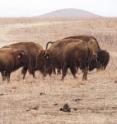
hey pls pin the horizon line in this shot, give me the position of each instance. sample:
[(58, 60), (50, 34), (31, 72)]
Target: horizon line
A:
[(50, 11)]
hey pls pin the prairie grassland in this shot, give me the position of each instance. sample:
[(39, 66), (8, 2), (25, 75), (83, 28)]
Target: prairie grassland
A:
[(38, 101)]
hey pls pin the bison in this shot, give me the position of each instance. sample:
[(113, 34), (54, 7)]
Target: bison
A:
[(76, 54), (56, 50), (31, 50), (10, 60)]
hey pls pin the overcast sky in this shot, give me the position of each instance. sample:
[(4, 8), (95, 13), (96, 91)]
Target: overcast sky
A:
[(37, 7)]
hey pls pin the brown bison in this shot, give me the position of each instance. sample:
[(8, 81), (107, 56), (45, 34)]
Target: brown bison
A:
[(10, 60), (31, 50), (56, 50), (76, 54)]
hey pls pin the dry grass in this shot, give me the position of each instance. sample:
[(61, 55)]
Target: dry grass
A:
[(37, 101)]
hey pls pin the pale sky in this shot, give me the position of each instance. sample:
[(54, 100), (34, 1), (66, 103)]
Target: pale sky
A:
[(37, 7)]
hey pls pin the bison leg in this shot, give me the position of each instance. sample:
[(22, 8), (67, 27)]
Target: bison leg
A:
[(8, 76), (3, 75), (24, 71), (49, 72), (32, 72), (64, 71), (54, 71), (58, 71), (85, 71), (73, 71)]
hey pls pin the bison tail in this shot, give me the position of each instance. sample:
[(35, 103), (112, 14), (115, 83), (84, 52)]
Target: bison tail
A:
[(50, 42)]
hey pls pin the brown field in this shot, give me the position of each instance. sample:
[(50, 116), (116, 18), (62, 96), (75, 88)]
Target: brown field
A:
[(38, 101)]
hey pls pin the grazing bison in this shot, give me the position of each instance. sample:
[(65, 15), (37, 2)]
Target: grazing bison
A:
[(31, 49), (10, 60), (54, 53), (76, 54)]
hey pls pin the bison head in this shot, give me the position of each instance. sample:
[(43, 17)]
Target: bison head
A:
[(46, 57), (43, 62), (103, 58), (94, 63)]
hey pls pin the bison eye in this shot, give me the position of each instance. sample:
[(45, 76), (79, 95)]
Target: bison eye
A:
[(47, 57)]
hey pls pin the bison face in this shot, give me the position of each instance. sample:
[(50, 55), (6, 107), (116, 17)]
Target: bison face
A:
[(103, 58), (48, 61), (42, 61), (94, 63), (45, 59)]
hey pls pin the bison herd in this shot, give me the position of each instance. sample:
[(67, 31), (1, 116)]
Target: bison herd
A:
[(74, 52)]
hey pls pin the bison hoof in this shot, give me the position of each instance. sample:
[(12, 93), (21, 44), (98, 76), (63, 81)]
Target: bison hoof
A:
[(62, 79)]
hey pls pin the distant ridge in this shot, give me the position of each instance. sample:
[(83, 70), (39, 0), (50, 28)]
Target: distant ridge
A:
[(70, 13)]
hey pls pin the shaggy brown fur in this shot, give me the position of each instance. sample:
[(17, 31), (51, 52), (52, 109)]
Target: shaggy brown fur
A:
[(103, 58), (10, 60), (76, 54), (56, 50), (31, 49)]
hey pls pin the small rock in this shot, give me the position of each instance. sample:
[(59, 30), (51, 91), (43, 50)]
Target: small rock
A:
[(42, 93), (75, 109), (35, 107), (1, 94), (115, 81), (55, 104), (27, 109), (65, 108), (77, 100)]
